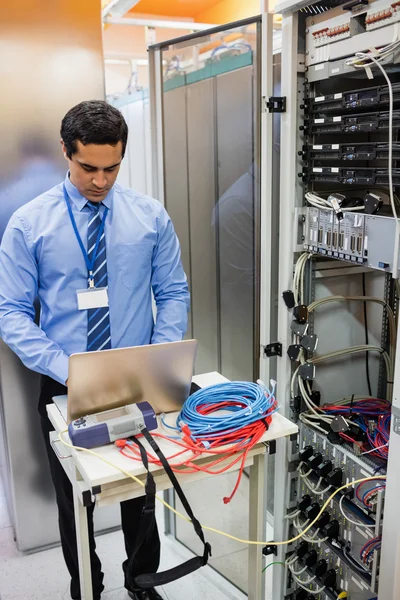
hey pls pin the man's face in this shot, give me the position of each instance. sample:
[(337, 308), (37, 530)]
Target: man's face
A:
[(94, 168)]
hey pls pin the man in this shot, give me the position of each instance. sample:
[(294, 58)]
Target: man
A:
[(85, 234)]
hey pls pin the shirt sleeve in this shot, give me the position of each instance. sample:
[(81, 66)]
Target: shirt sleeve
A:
[(169, 284), (18, 290)]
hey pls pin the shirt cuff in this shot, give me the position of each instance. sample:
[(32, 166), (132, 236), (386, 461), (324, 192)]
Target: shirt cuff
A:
[(58, 369)]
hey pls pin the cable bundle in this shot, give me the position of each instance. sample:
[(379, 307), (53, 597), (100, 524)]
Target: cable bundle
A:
[(245, 403), (320, 202), (358, 411), (367, 551), (225, 420), (368, 497), (364, 406)]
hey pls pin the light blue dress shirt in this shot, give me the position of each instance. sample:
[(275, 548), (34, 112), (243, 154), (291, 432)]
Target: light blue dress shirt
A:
[(40, 256)]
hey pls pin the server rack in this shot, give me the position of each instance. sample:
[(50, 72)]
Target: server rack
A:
[(339, 255)]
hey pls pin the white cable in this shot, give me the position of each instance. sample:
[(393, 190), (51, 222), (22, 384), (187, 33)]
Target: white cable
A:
[(300, 526), (373, 449), (293, 515), (304, 419), (300, 584), (383, 53), (309, 580), (291, 560), (356, 350), (318, 484), (322, 492), (315, 488), (354, 562), (298, 278), (310, 404), (389, 311), (320, 202), (304, 475), (351, 520), (297, 572), (313, 539), (317, 541)]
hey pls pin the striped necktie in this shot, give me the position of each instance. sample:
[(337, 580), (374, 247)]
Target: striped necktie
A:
[(99, 332)]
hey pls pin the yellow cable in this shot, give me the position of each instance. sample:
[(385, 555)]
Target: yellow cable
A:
[(227, 535), (342, 595)]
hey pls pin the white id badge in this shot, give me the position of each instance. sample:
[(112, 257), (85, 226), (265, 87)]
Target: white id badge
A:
[(92, 298)]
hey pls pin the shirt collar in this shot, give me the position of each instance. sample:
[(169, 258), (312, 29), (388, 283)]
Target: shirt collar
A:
[(79, 200)]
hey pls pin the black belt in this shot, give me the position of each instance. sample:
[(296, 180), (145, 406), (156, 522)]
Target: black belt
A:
[(148, 520)]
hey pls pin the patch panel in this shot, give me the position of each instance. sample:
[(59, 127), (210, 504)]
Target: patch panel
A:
[(382, 16), (353, 466), (338, 33), (357, 238), (341, 31), (346, 539), (347, 580), (348, 533), (347, 239)]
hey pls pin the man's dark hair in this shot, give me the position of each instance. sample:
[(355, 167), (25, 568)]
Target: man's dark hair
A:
[(93, 122)]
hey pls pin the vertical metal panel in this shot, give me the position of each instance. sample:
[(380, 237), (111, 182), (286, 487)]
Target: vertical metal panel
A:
[(234, 126), (147, 146), (176, 172), (389, 575), (237, 182), (289, 197), (137, 156), (124, 175), (157, 122), (135, 169), (201, 173), (51, 59)]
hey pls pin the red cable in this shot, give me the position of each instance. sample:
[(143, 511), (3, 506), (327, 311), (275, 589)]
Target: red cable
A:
[(239, 443), (371, 493)]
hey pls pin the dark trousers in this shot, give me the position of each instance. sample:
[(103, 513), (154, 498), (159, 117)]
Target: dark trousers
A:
[(131, 510)]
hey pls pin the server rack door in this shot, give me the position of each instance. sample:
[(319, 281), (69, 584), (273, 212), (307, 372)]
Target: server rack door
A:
[(202, 195), (235, 216), (176, 172)]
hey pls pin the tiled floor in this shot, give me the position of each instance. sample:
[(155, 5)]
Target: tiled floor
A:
[(43, 575)]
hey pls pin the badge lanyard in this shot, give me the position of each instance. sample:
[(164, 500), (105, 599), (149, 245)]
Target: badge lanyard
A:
[(89, 263)]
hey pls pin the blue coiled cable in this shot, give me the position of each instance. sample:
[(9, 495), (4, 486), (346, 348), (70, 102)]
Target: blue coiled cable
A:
[(258, 401)]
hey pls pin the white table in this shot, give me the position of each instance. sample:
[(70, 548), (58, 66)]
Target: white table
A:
[(94, 480)]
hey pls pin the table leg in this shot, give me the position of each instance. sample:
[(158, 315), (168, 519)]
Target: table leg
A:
[(257, 527), (82, 539)]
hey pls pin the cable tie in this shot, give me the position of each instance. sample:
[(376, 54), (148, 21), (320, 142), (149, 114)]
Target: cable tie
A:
[(351, 405), (266, 424)]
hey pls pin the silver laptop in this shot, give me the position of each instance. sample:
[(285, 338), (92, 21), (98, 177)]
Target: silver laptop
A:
[(160, 374)]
